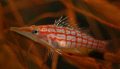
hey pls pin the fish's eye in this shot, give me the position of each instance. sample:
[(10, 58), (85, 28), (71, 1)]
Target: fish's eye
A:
[(35, 32)]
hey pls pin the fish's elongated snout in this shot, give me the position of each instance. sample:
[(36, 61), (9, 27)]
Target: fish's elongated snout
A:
[(13, 28), (22, 30), (26, 29)]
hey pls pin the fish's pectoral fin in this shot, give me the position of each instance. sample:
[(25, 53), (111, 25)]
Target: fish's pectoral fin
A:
[(55, 43)]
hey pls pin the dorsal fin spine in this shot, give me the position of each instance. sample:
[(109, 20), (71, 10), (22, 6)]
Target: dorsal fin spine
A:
[(63, 22)]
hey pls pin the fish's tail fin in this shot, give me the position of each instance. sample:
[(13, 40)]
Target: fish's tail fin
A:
[(113, 46)]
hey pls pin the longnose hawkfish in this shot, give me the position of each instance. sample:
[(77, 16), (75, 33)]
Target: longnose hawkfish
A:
[(61, 35)]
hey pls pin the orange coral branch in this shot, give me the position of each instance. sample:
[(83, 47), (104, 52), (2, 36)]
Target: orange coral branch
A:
[(2, 37), (16, 12), (91, 15), (57, 14), (55, 60), (31, 57)]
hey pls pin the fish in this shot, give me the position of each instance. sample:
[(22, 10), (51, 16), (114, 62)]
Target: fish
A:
[(61, 35), (58, 36)]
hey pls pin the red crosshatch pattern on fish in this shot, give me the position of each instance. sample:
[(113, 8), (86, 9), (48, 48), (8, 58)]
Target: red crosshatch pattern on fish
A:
[(70, 38)]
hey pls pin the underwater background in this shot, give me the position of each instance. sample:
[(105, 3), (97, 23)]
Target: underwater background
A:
[(101, 18)]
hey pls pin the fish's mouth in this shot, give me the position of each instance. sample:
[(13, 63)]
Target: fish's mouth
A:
[(14, 29), (24, 31), (17, 30)]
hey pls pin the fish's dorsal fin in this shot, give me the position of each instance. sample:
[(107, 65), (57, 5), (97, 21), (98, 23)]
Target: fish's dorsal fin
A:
[(63, 22)]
